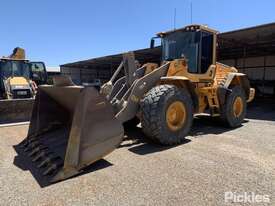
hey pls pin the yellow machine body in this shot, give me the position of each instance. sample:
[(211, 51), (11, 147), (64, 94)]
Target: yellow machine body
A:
[(206, 85), (18, 81)]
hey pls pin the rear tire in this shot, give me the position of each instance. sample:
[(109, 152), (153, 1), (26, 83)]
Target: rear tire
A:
[(166, 114), (234, 110)]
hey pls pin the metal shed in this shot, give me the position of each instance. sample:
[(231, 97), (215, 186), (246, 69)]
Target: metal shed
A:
[(251, 50), (103, 67)]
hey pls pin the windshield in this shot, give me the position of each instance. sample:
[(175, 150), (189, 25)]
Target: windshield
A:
[(15, 68), (182, 44)]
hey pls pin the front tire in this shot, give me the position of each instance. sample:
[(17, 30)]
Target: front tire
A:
[(166, 114), (234, 110)]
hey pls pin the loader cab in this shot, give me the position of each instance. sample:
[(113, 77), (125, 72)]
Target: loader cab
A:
[(195, 43)]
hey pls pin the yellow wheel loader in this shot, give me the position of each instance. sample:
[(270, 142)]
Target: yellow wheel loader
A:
[(18, 84), (73, 126)]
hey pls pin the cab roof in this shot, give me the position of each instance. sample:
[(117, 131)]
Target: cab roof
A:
[(11, 59), (193, 27)]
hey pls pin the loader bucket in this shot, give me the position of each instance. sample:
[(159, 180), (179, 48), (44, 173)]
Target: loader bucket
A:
[(71, 127)]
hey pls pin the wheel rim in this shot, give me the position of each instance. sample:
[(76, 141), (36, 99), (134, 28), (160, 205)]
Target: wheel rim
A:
[(175, 115), (238, 107)]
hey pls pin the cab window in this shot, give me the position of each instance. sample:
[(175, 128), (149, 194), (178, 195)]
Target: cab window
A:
[(39, 72), (6, 69)]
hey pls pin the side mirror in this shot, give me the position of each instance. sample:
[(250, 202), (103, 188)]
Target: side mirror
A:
[(152, 43)]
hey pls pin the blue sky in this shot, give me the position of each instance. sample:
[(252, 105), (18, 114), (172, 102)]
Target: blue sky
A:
[(62, 31)]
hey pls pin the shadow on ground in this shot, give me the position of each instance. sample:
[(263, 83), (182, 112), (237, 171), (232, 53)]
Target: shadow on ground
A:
[(262, 109), (141, 145), (138, 143)]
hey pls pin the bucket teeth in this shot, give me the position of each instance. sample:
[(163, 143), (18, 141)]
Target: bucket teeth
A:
[(48, 160), (31, 145), (36, 150), (27, 149), (33, 152), (53, 167), (26, 142), (40, 155), (45, 162), (35, 136), (29, 140), (34, 144)]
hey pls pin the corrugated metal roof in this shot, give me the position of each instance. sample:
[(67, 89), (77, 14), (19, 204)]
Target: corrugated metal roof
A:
[(251, 35), (256, 40), (253, 41), (143, 55)]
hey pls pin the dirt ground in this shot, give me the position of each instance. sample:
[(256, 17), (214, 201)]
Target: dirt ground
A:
[(212, 161)]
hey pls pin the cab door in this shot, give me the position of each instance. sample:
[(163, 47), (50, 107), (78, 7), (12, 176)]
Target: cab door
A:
[(39, 73), (206, 51)]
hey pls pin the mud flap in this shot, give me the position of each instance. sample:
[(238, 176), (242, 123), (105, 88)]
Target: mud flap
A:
[(71, 127), (15, 110)]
